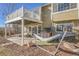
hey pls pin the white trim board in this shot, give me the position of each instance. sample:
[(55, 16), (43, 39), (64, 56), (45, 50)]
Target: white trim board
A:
[(20, 18), (34, 20), (64, 11), (13, 20)]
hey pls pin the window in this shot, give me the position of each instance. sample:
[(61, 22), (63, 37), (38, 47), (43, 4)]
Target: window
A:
[(63, 27), (63, 6), (59, 28), (66, 6), (73, 5), (68, 27), (60, 7), (55, 7), (34, 30)]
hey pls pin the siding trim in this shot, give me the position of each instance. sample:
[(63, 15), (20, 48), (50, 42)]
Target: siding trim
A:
[(78, 9), (64, 11)]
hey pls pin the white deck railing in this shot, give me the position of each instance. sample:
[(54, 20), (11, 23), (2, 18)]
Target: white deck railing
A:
[(23, 13), (30, 15), (15, 14)]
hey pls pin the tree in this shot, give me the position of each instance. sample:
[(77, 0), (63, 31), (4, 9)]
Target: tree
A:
[(9, 8)]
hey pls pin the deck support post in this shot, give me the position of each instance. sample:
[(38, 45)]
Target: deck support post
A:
[(22, 32), (31, 30), (9, 30), (5, 31), (41, 30), (37, 29)]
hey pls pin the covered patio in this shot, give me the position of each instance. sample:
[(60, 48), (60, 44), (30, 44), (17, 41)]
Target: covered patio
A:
[(20, 38)]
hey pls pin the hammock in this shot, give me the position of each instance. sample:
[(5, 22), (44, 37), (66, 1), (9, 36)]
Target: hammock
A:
[(48, 39)]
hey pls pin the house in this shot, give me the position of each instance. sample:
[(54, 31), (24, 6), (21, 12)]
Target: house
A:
[(61, 16), (76, 30)]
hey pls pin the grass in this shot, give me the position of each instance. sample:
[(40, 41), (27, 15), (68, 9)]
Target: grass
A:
[(5, 51), (38, 42), (1, 33)]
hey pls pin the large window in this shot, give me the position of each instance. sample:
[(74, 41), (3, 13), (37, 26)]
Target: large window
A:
[(63, 27), (73, 5), (63, 6)]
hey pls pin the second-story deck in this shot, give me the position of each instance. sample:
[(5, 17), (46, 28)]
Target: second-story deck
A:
[(22, 13), (21, 17)]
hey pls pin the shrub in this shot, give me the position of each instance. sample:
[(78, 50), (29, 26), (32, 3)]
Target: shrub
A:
[(1, 33)]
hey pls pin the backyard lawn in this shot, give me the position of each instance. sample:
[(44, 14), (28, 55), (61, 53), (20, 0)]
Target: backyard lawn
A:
[(16, 50), (6, 52)]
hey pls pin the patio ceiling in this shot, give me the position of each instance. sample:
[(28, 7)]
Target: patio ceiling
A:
[(26, 21)]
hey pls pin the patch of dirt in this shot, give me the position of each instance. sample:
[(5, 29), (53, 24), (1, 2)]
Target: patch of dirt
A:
[(3, 40), (35, 51), (16, 50), (30, 51)]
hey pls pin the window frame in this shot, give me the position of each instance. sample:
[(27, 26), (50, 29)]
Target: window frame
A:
[(64, 26), (58, 7)]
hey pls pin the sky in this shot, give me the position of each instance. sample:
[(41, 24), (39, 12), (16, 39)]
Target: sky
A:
[(4, 7)]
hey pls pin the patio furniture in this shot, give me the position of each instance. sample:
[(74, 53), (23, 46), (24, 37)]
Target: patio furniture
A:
[(47, 39), (51, 38)]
